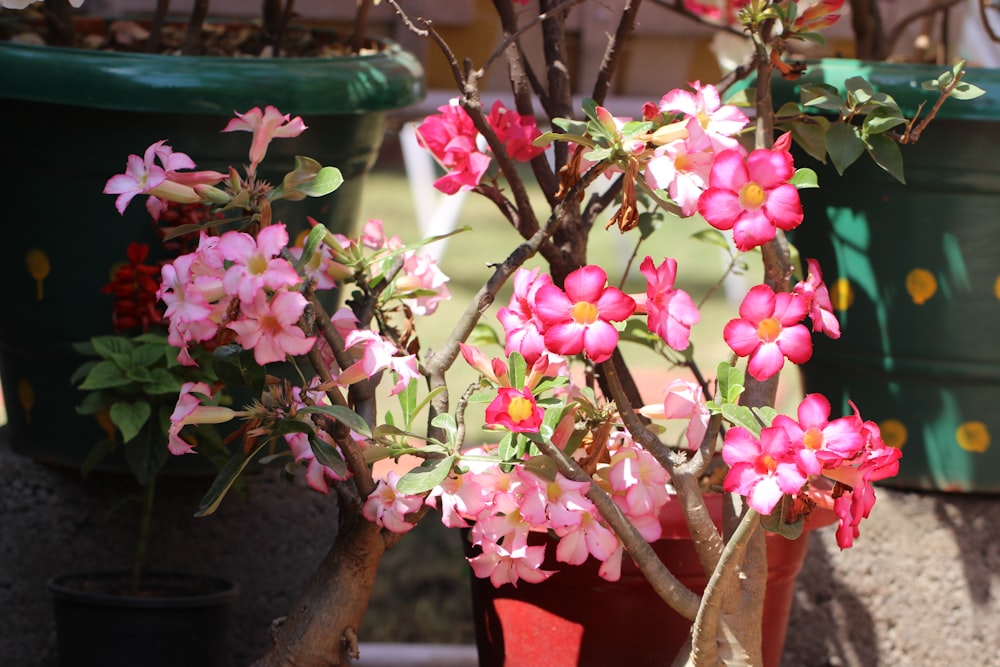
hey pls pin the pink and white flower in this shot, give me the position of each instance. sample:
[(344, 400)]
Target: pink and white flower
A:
[(768, 330)]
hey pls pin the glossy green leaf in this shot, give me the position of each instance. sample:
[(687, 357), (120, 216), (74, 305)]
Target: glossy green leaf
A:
[(129, 417), (887, 155), (843, 145), (344, 415), (328, 455), (104, 375), (426, 476), (804, 178), (225, 479), (740, 415)]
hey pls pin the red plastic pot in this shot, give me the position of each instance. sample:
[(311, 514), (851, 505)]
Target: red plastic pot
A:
[(576, 619)]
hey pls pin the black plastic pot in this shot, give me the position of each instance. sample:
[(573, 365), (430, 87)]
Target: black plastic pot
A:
[(178, 620), (74, 116)]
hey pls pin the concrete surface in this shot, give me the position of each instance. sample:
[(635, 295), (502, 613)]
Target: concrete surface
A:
[(919, 588)]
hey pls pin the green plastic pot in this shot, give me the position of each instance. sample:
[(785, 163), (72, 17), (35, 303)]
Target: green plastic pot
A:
[(915, 274), (73, 117)]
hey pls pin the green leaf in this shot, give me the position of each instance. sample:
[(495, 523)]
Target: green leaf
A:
[(129, 417), (236, 367), (328, 455), (844, 145), (161, 381), (423, 403), (107, 346), (101, 450), (426, 476), (730, 379), (345, 416), (740, 415), (859, 89), (93, 402), (483, 334), (804, 178), (104, 375), (881, 120), (966, 91), (312, 244), (227, 476), (712, 237), (810, 135), (149, 355), (446, 423), (517, 369), (327, 180), (408, 401), (820, 95), (571, 126), (775, 521), (765, 414), (887, 155), (147, 453)]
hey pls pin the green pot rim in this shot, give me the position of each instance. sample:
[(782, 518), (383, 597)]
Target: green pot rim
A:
[(392, 78), (902, 81)]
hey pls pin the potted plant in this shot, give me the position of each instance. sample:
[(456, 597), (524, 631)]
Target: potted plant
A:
[(94, 105), (574, 453), (905, 249)]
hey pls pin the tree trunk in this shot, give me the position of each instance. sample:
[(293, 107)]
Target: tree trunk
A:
[(321, 630)]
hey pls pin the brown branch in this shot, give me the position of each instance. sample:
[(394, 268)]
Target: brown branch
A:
[(914, 129), (869, 30), (156, 26), (360, 34), (612, 54), (983, 6), (192, 38), (663, 581), (706, 538)]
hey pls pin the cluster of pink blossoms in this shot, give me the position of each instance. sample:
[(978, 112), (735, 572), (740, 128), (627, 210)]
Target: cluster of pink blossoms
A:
[(790, 454), (452, 138)]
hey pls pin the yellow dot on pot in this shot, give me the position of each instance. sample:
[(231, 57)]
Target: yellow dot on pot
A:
[(841, 294), (893, 432), (973, 436), (996, 287), (26, 398), (39, 268), (921, 284)]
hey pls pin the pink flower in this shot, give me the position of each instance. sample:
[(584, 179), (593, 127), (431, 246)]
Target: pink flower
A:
[(318, 476), (752, 196), (255, 264), (387, 508), (818, 297), (461, 498), (814, 434), (515, 410), (507, 565), (854, 493), (588, 538), (683, 400), (762, 470), (670, 312), (265, 125), (522, 327), (451, 137), (639, 485), (271, 328), (682, 167), (720, 122), (578, 320), (421, 275), (189, 410), (516, 131), (769, 330), (375, 354)]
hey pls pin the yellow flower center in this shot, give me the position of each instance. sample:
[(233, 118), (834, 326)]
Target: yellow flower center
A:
[(769, 329), (257, 265), (519, 409), (767, 463), (752, 196), (584, 312), (813, 438)]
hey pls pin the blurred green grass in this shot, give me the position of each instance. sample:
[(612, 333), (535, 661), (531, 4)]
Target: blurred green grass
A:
[(425, 576)]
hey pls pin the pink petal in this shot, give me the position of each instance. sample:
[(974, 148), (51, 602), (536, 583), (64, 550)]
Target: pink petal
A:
[(741, 336), (766, 361), (720, 207), (784, 207), (586, 284)]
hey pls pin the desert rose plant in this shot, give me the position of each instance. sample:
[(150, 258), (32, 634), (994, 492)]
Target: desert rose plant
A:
[(576, 453)]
